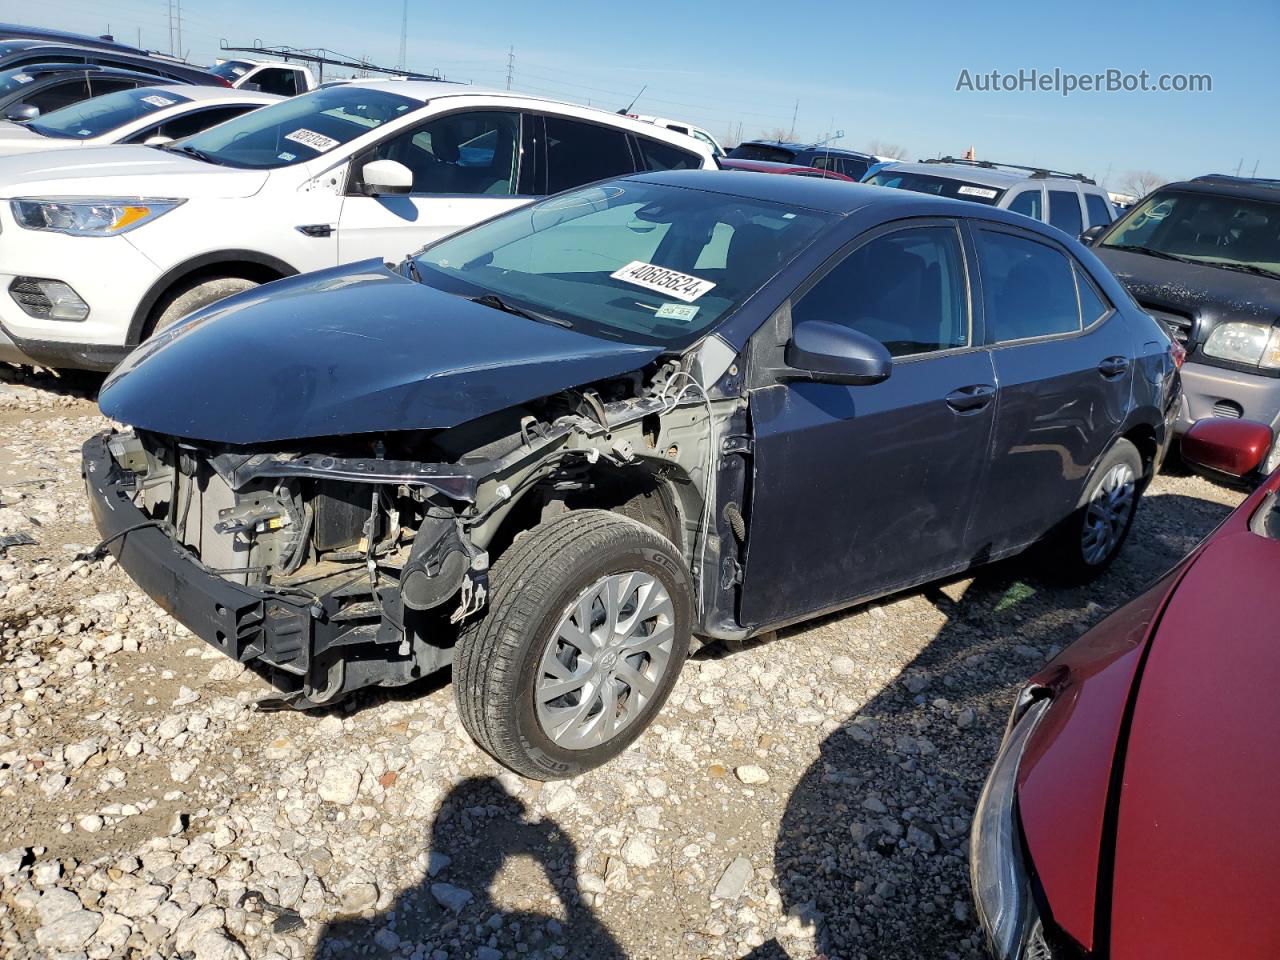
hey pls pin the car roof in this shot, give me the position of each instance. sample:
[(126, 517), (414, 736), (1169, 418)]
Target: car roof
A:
[(991, 176), (212, 94), (1252, 188), (15, 31), (44, 69), (797, 147)]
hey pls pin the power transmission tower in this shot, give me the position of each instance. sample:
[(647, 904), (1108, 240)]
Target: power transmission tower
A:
[(171, 46), (511, 65), (404, 35), (178, 28)]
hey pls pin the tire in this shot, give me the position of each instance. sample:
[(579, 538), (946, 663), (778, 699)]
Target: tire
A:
[(191, 298), (507, 663), (1090, 539)]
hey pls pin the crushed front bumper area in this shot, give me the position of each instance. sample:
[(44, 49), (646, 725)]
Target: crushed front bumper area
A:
[(315, 644)]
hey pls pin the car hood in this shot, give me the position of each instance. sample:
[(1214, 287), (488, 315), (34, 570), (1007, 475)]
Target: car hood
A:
[(122, 171), (1196, 837), (1205, 295), (354, 349), (19, 138)]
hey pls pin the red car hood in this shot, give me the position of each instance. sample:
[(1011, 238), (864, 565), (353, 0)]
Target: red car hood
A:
[(1197, 839)]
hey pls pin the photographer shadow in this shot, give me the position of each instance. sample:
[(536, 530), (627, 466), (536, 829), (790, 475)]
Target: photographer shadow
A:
[(483, 838)]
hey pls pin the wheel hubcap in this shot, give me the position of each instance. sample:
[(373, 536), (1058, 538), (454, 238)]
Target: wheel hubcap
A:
[(605, 660), (1108, 513)]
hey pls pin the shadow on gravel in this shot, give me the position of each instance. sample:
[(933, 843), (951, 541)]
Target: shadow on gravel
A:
[(872, 846), (480, 832), (82, 384)]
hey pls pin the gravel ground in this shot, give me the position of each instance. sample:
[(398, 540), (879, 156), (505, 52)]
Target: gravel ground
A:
[(808, 796)]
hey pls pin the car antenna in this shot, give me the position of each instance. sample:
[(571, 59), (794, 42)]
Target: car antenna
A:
[(627, 109)]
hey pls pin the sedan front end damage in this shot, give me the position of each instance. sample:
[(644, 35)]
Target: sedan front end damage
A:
[(351, 562)]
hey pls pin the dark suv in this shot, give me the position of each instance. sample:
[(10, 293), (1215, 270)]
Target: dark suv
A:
[(554, 447), (849, 163), (1204, 257)]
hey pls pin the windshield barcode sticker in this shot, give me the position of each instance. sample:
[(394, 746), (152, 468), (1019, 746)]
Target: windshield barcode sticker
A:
[(676, 311), (309, 138), (24, 78), (661, 280), (159, 101), (977, 192)]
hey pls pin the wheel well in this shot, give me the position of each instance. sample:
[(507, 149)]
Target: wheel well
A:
[(634, 492), (1143, 437), (246, 265)]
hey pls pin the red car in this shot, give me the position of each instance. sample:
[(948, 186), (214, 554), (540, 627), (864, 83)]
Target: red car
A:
[(768, 166), (1132, 809)]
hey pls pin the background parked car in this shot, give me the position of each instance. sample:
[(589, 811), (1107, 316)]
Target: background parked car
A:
[(1136, 779), (1069, 201), (14, 31), (148, 115), (268, 76), (29, 53), (372, 168), (893, 433), (1204, 257), (763, 166), (850, 163), (679, 126), (28, 92)]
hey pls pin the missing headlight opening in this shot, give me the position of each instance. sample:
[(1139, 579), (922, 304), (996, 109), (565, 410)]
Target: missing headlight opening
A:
[(350, 562)]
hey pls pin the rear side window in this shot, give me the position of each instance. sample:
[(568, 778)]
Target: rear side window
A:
[(906, 289), (1029, 288), (579, 153), (1064, 212), (663, 156), (1093, 305), (1028, 204), (1097, 207), (851, 167)]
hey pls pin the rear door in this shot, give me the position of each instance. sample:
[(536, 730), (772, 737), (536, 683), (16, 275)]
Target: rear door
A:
[(466, 168), (860, 489), (1027, 200), (1063, 361)]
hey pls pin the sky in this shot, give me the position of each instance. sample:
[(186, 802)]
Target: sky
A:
[(882, 72)]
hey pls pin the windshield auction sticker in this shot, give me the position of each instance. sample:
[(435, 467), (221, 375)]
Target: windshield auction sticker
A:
[(309, 138), (159, 101), (968, 191), (661, 280)]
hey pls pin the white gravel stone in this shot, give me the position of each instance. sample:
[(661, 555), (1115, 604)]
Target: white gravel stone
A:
[(450, 897), (733, 882), (751, 774), (71, 931)]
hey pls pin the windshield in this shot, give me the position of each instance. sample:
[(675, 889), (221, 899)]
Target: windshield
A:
[(1204, 227), (231, 70), (92, 118), (299, 129), (631, 261), (938, 186), (15, 79), (761, 151)]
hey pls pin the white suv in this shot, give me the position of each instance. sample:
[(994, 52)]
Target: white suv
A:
[(101, 247), (1069, 201)]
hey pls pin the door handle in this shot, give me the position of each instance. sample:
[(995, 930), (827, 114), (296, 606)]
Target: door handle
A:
[(1113, 366), (971, 398)]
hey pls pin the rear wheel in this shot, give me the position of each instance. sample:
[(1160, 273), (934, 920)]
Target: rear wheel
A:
[(1094, 534), (587, 629), (190, 298)]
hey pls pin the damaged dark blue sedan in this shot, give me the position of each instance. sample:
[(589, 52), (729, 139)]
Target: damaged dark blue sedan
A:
[(555, 448)]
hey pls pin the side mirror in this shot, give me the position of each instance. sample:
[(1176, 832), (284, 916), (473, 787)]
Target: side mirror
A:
[(22, 112), (386, 176), (831, 353), (157, 141), (1231, 447), (1093, 233)]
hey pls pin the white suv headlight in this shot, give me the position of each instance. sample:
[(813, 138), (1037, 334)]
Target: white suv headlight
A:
[(87, 217), (1249, 343), (1001, 890)]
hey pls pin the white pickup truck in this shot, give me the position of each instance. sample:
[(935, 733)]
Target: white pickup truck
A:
[(267, 76)]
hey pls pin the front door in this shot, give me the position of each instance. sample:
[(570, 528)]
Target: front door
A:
[(1063, 361), (858, 490), (466, 168)]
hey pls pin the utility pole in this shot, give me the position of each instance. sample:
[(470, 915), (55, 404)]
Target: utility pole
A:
[(139, 38), (171, 46), (1239, 165), (794, 114), (404, 36), (1255, 168), (511, 64)]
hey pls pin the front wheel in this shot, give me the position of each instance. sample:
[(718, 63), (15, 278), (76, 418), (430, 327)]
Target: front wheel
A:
[(1092, 537), (587, 629)]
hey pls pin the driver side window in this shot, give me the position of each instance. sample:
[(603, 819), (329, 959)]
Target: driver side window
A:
[(906, 289), (470, 154)]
